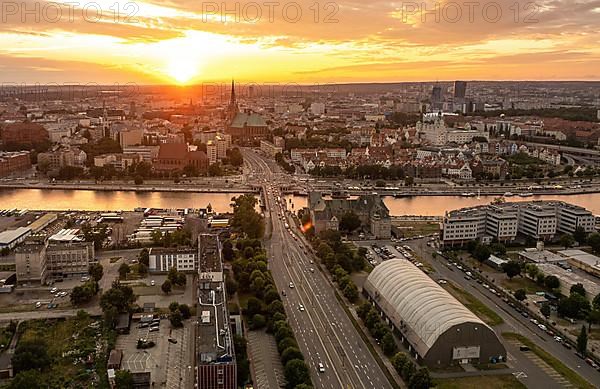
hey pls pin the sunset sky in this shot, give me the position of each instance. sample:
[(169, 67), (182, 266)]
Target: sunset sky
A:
[(179, 42)]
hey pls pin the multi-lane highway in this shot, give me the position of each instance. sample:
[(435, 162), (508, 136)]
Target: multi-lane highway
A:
[(324, 332)]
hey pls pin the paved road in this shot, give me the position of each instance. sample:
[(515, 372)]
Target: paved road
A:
[(43, 313), (323, 330), (513, 322)]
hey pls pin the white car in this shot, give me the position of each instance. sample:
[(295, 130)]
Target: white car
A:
[(442, 282), (152, 283), (301, 308), (321, 368), (291, 285), (53, 290)]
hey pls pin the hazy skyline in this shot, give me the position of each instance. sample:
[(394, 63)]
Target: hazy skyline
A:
[(380, 41)]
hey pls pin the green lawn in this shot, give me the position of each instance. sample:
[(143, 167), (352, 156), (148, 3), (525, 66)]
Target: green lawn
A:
[(482, 382), (477, 307), (556, 364), (411, 229)]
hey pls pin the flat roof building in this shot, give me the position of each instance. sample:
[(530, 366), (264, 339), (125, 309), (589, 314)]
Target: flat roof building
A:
[(214, 344), (536, 219), (582, 260), (437, 328)]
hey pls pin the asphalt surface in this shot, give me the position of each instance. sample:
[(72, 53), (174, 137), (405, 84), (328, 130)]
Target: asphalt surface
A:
[(513, 322), (324, 332)]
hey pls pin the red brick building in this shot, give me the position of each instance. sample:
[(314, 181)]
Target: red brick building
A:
[(23, 134), (173, 157), (14, 162)]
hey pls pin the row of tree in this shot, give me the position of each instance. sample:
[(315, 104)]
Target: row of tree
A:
[(265, 308)]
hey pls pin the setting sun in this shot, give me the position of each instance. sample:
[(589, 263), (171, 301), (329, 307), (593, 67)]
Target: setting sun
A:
[(182, 70)]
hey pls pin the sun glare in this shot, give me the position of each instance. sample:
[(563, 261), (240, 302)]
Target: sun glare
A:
[(183, 70)]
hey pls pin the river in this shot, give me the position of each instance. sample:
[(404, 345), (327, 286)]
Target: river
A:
[(88, 200)]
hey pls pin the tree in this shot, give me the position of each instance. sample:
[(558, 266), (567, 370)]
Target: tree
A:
[(186, 313), (594, 241), (408, 370), (351, 292), (399, 360), (27, 379), (512, 268), (420, 379), (552, 282), (580, 235), (296, 373), (582, 340), (82, 294), (258, 321), (254, 306), (596, 301), (176, 319), (123, 379), (138, 180), (520, 294), (31, 354), (567, 241), (228, 253), (291, 353), (578, 288), (349, 222), (593, 317), (388, 344), (482, 252), (545, 310), (96, 271), (173, 306), (123, 271), (574, 306), (144, 257), (166, 287)]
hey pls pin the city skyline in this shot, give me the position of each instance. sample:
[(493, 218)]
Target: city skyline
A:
[(188, 43)]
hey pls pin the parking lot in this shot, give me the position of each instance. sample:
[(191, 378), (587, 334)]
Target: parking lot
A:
[(170, 362)]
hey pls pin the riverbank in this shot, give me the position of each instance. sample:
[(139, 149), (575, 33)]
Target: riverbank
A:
[(166, 186)]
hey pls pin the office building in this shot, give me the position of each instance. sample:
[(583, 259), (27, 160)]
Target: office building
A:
[(161, 260), (460, 90), (541, 220), (216, 365)]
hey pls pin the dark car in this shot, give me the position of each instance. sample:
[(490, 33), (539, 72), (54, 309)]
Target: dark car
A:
[(567, 345), (171, 340), (524, 348)]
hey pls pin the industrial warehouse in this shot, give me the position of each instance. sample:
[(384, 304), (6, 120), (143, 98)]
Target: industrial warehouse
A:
[(437, 329)]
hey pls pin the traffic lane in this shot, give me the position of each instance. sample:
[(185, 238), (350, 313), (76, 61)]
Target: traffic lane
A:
[(517, 321), (318, 304), (356, 350), (313, 346), (294, 300), (321, 301)]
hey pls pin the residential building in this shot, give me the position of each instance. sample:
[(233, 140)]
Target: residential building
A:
[(118, 161), (317, 109), (270, 149), (23, 134), (131, 137), (14, 162), (61, 157), (184, 259), (148, 153)]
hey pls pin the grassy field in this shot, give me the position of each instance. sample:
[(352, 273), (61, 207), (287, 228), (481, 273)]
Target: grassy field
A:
[(557, 365), (77, 348), (411, 229), (488, 382), (522, 283), (477, 307)]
